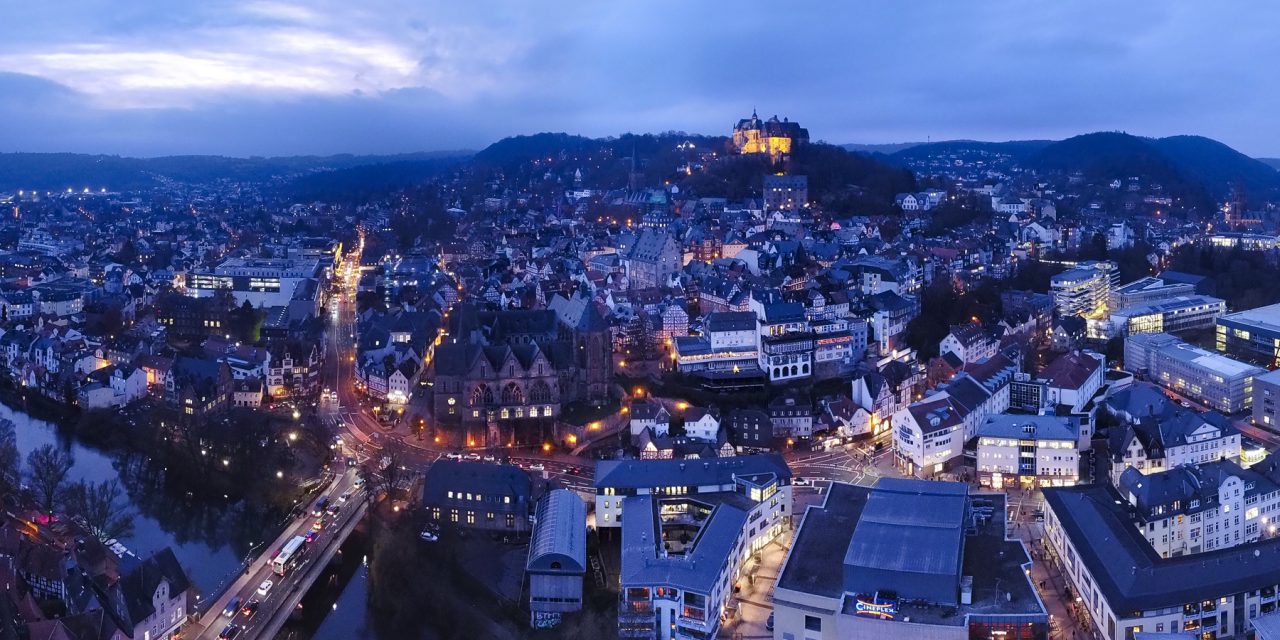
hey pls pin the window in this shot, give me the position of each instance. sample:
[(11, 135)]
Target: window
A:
[(812, 623)]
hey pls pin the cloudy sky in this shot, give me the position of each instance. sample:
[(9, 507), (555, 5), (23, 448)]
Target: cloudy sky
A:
[(275, 77)]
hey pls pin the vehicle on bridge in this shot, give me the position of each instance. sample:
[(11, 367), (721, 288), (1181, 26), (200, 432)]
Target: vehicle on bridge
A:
[(288, 556), (321, 504)]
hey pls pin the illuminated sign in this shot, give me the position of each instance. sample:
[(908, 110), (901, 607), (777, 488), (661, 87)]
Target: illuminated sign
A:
[(876, 607)]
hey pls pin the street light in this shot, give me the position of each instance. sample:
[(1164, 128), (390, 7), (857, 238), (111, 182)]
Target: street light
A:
[(296, 414)]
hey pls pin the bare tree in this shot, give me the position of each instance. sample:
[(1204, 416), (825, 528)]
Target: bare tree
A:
[(10, 457), (100, 508), (47, 469), (385, 471)]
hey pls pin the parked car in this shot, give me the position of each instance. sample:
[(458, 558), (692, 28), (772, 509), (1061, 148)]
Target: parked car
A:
[(428, 535), (474, 457), (537, 466)]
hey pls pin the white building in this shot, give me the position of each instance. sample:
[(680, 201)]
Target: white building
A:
[(1027, 451), (929, 435), (1085, 289), (1204, 376)]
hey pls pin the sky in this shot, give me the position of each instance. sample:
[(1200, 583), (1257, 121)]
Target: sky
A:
[(278, 77)]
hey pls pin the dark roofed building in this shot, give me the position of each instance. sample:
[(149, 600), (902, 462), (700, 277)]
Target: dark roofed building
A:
[(919, 560), (478, 495), (557, 554)]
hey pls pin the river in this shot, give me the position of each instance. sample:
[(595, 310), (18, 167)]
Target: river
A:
[(209, 537)]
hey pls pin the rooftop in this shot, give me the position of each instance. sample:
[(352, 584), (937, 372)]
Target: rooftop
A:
[(1267, 317), (1132, 576)]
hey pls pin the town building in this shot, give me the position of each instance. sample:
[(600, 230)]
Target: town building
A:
[(1167, 316), (1171, 438), (1201, 507), (728, 350), (557, 557), (929, 435), (1253, 335), (1266, 399), (969, 342), (1085, 289), (785, 192), (1125, 587), (1027, 452), (260, 282), (1148, 290), (688, 531), (910, 560), (478, 495), (1204, 376)]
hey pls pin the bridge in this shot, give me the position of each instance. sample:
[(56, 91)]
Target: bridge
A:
[(286, 591)]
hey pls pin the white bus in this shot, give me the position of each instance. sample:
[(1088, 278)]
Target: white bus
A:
[(288, 555)]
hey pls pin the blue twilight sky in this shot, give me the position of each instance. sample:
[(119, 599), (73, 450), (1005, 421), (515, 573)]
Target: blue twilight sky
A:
[(273, 77)]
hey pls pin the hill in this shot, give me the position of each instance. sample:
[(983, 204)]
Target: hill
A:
[(58, 171), (1274, 163), (1017, 149), (1192, 167)]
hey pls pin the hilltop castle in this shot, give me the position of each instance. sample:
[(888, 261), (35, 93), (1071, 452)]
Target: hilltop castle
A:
[(774, 137)]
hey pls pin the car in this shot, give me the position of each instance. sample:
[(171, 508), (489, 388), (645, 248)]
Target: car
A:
[(230, 631), (311, 536), (358, 483), (488, 457), (428, 535), (346, 495), (768, 624), (333, 509), (474, 457), (250, 608), (318, 524), (265, 587), (537, 466), (232, 607), (576, 471), (800, 481), (453, 455)]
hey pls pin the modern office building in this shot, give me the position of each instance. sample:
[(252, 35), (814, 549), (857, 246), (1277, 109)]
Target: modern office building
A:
[(260, 282), (1168, 316), (689, 528), (1027, 451), (1204, 376), (1253, 335), (1148, 290), (1085, 289), (1124, 587), (907, 559), (557, 557), (1266, 399)]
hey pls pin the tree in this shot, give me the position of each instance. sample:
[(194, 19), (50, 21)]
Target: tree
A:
[(99, 507), (385, 472), (47, 469), (10, 457)]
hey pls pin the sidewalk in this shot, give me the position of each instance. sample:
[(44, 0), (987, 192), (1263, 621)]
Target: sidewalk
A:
[(1052, 587)]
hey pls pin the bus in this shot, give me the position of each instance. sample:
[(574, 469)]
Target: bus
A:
[(288, 555)]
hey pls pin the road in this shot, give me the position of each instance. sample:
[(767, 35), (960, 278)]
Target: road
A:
[(245, 587)]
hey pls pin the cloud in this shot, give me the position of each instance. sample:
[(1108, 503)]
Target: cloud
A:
[(324, 76)]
